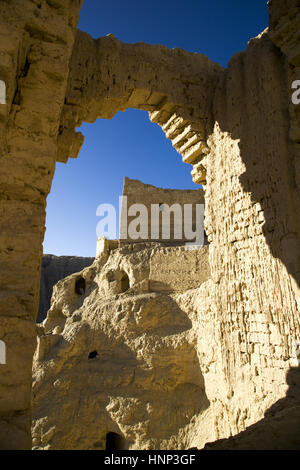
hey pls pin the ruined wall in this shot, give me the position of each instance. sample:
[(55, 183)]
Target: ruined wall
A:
[(36, 42), (247, 161), (240, 131), (55, 268), (253, 228), (123, 354), (253, 223), (178, 270), (137, 192), (36, 39)]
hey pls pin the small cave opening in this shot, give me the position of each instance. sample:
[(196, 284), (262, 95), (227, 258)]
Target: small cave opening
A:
[(93, 354), (80, 286), (114, 441), (125, 284)]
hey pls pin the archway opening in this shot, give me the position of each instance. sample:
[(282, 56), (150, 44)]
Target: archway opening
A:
[(97, 177), (141, 152)]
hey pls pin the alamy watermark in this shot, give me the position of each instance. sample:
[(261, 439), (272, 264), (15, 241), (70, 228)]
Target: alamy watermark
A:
[(2, 92), (2, 352), (155, 224), (296, 94)]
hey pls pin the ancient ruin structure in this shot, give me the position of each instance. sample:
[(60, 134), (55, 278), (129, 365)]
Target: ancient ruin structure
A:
[(240, 130), (55, 268), (117, 353), (166, 219)]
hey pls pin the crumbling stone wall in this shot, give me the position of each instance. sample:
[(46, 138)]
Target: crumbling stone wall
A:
[(247, 161), (55, 268), (124, 355), (253, 228), (240, 131), (137, 192), (36, 39)]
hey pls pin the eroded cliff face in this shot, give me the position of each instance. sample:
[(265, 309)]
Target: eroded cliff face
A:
[(117, 353), (238, 128), (252, 224), (55, 268)]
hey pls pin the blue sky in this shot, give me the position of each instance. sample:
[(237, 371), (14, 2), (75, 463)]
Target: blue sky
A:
[(129, 144)]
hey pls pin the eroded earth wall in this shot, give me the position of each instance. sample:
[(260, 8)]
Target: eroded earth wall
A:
[(245, 152), (239, 130), (55, 268), (36, 39), (172, 221), (121, 356), (252, 222)]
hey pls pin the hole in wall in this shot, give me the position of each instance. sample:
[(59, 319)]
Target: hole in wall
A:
[(125, 284), (93, 354), (80, 286), (114, 441)]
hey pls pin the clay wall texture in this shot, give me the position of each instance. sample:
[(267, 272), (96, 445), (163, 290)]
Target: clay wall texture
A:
[(238, 128), (137, 192), (124, 354), (36, 40)]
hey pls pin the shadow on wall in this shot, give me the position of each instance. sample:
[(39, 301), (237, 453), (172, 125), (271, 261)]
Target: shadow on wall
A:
[(252, 105), (115, 441), (251, 109), (278, 430)]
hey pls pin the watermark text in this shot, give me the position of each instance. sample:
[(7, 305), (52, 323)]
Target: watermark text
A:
[(2, 352), (2, 92), (296, 94), (158, 222)]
